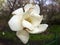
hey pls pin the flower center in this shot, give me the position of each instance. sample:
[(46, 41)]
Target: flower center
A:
[(29, 19)]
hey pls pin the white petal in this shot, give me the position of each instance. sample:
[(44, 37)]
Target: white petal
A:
[(27, 7), (36, 10), (27, 24), (36, 19), (31, 1), (18, 11), (23, 36), (15, 22), (41, 28)]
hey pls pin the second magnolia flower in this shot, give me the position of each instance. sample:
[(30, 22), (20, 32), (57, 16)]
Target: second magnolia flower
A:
[(27, 22)]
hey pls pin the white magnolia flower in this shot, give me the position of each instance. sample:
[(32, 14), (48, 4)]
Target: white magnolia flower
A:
[(27, 22)]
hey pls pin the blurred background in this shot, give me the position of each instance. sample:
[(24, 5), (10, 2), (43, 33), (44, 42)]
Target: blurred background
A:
[(49, 8)]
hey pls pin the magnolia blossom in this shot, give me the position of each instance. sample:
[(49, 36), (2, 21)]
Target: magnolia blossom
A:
[(27, 21)]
